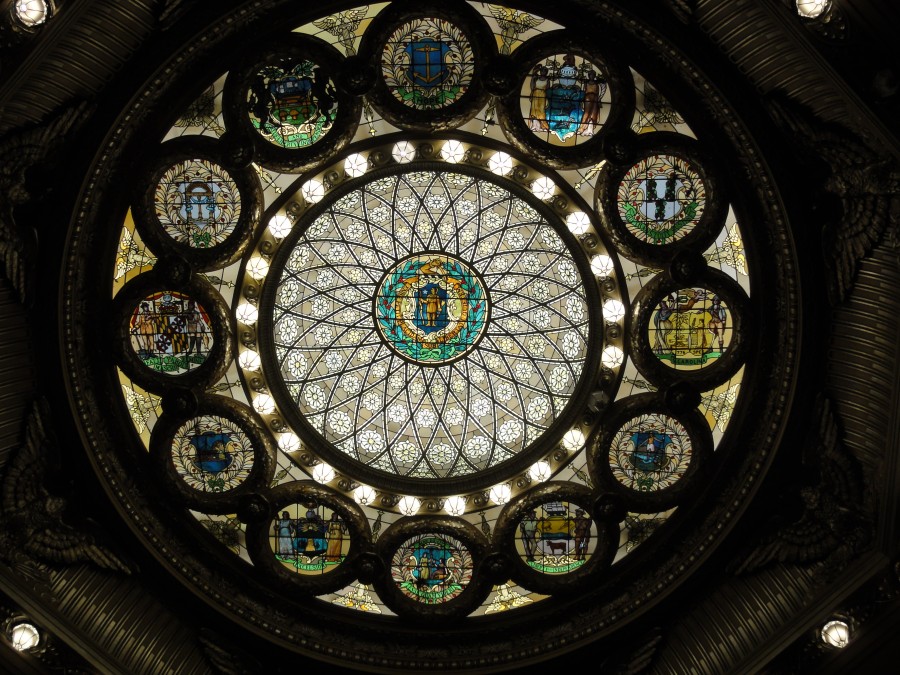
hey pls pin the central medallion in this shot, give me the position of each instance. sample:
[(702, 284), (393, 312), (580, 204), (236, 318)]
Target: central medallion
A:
[(431, 308), (428, 325)]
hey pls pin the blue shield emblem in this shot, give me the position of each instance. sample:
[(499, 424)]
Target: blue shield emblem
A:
[(211, 453), (649, 453), (431, 308), (565, 108), (199, 202), (427, 67)]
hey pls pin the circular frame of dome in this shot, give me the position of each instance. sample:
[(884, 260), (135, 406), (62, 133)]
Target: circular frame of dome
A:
[(621, 107), (169, 327), (430, 609), (474, 34), (310, 495), (202, 185), (209, 460), (306, 147), (640, 409), (725, 316), (676, 155), (263, 329), (508, 528)]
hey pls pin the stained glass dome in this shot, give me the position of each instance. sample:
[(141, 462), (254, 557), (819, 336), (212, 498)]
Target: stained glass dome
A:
[(423, 318)]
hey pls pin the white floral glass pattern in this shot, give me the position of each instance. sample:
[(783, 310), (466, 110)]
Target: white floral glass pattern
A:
[(459, 411)]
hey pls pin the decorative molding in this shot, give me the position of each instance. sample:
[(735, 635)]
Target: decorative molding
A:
[(23, 151), (33, 532), (864, 181), (833, 527)]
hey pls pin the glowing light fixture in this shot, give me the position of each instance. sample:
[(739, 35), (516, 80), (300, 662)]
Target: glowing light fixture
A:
[(613, 310), (578, 222), (836, 633), (257, 268), (453, 151), (404, 152), (812, 9), (540, 471), (264, 404), (313, 191), (24, 636), (247, 313), (612, 357), (289, 442), (408, 505), (280, 226), (323, 473), (500, 163), (364, 495), (455, 506), (543, 188), (500, 494), (32, 13), (356, 165), (573, 440), (602, 266), (249, 360)]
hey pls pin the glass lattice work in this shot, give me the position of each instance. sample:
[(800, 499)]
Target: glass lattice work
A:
[(430, 324)]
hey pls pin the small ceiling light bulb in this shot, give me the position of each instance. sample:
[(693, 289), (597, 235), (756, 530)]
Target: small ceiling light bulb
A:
[(323, 473), (453, 152), (500, 494), (408, 505), (612, 357), (812, 9), (404, 152), (578, 222), (356, 165), (364, 495), (540, 471), (312, 191), (264, 404), (280, 225), (289, 443), (24, 636), (573, 440), (32, 13), (249, 360), (247, 313), (613, 310), (500, 163), (602, 266), (257, 268), (836, 633), (543, 188), (455, 506)]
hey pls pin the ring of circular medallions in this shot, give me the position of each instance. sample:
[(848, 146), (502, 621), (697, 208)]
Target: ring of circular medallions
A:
[(669, 198), (287, 104), (191, 205), (170, 336), (690, 332), (212, 457), (315, 447), (584, 96), (439, 84), (552, 538), (436, 567), (648, 454), (311, 539)]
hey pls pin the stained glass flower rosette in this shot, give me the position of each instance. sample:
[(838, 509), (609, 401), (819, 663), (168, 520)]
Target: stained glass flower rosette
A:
[(429, 326)]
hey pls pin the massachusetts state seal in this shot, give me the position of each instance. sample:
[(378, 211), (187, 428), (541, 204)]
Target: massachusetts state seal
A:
[(431, 308)]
